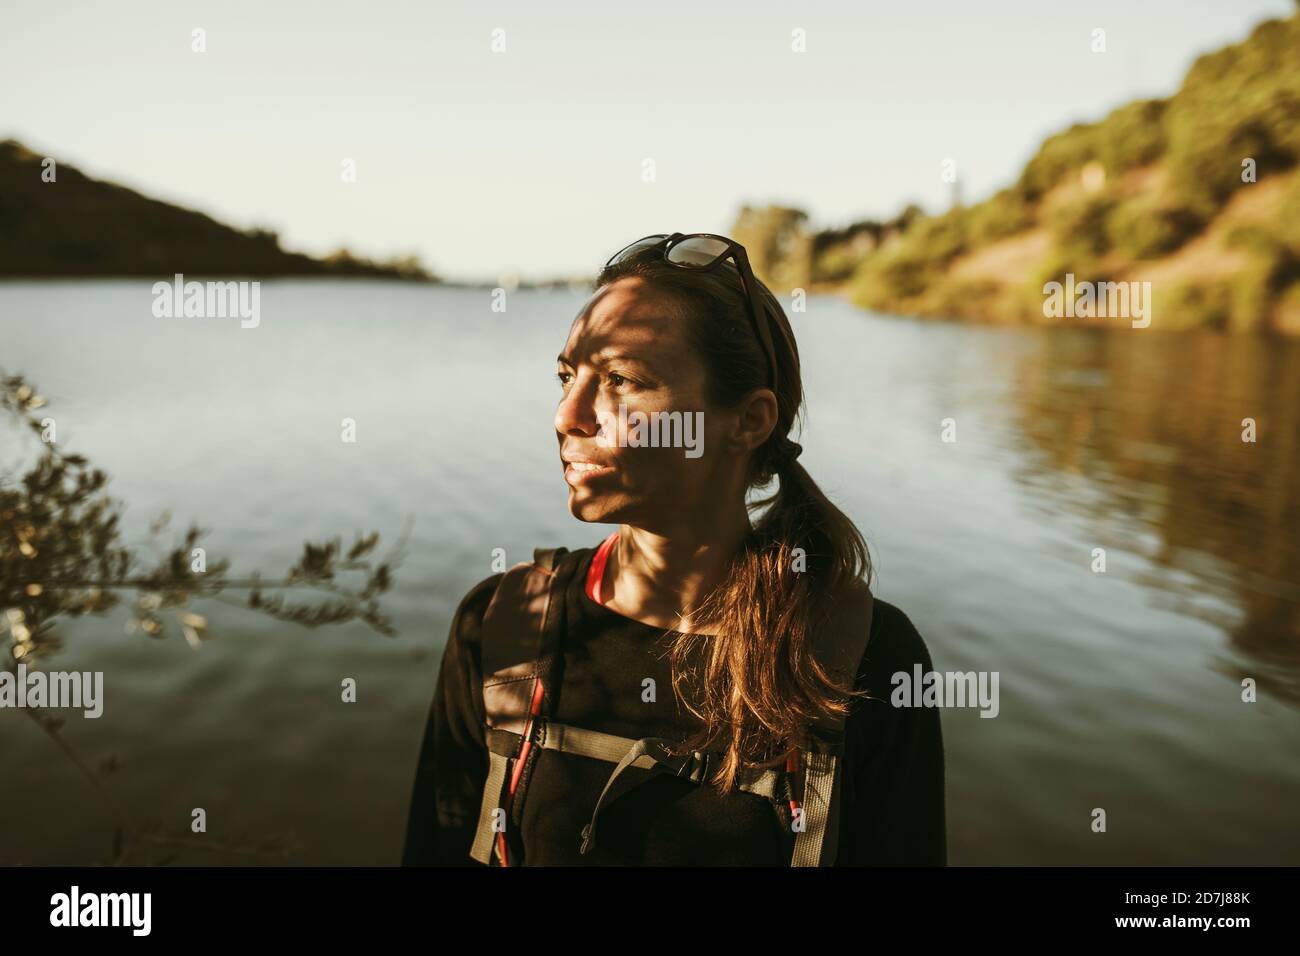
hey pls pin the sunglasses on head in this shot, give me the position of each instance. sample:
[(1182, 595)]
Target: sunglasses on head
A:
[(698, 251)]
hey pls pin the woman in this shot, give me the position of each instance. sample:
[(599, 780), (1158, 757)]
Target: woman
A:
[(699, 632)]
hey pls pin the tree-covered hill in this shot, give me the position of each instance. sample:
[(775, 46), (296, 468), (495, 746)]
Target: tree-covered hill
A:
[(65, 224), (1198, 194)]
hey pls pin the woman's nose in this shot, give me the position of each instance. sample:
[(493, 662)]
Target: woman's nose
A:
[(576, 414)]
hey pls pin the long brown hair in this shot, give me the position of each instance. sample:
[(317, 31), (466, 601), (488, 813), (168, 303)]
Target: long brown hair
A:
[(760, 684)]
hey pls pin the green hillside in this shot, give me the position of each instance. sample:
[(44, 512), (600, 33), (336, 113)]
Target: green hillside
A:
[(1158, 191)]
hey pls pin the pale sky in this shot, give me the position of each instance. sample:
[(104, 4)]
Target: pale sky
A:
[(529, 161)]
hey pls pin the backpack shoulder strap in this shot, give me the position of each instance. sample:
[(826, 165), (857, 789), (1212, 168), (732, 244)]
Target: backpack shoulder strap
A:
[(517, 654), (545, 558), (839, 645)]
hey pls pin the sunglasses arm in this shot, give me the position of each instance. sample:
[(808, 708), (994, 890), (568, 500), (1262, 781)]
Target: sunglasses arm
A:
[(756, 310)]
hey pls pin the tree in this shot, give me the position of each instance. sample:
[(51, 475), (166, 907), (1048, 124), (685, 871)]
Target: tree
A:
[(62, 556)]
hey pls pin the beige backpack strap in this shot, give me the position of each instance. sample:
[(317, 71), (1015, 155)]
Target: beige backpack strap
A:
[(516, 656)]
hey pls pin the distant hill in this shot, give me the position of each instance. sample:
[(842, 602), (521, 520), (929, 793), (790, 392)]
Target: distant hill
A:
[(1198, 194), (78, 226)]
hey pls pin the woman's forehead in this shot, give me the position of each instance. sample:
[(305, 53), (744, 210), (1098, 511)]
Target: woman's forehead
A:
[(627, 316)]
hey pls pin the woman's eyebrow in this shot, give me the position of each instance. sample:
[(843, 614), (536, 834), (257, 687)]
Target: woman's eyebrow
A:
[(606, 358)]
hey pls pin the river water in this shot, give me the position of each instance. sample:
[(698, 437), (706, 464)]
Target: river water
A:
[(1119, 690)]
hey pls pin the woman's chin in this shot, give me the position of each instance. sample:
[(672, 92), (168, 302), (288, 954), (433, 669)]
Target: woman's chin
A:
[(586, 506)]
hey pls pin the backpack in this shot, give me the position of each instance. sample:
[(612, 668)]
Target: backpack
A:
[(520, 646)]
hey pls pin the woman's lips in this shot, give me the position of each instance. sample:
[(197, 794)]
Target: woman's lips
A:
[(580, 472)]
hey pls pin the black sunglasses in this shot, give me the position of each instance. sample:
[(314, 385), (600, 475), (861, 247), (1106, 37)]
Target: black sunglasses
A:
[(704, 250)]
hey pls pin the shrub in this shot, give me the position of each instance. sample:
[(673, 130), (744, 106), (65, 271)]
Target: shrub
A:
[(1152, 227)]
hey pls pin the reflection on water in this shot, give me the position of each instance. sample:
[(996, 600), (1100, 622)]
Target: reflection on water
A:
[(1118, 690), (1155, 426)]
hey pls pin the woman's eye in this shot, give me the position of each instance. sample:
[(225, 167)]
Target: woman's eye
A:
[(614, 379)]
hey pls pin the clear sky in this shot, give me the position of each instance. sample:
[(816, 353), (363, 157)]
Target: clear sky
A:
[(530, 161)]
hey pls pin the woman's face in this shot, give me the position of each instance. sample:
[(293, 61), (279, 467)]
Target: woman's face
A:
[(639, 442)]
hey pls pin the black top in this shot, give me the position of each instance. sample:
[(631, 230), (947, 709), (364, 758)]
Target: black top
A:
[(893, 810)]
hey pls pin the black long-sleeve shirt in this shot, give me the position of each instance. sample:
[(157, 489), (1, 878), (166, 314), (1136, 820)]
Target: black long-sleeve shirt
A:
[(893, 810)]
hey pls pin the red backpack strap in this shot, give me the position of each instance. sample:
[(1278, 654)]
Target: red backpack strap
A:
[(839, 645), (519, 637)]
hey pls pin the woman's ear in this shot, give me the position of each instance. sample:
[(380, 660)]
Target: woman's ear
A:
[(755, 420)]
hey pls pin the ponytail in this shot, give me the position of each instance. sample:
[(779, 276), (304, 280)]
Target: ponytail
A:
[(761, 684)]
